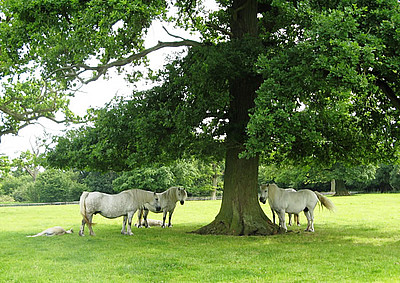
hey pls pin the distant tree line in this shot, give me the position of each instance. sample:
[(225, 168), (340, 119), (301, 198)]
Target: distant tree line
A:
[(47, 184), (28, 178), (365, 178)]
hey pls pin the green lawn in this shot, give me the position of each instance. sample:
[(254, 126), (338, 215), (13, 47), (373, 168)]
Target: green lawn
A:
[(359, 243)]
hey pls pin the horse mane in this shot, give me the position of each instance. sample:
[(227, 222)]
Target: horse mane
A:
[(170, 194)]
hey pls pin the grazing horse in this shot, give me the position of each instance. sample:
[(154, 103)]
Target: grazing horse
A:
[(282, 201), (53, 231), (125, 204), (168, 201)]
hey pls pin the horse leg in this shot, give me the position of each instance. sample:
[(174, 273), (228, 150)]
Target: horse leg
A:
[(290, 219), (169, 219), (124, 224), (308, 216), (273, 215), (281, 215), (146, 224), (296, 219), (130, 216), (140, 214), (90, 217), (81, 231), (163, 218), (311, 212)]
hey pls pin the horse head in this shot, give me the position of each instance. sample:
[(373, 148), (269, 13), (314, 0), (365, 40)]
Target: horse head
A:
[(181, 195), (263, 193), (156, 202)]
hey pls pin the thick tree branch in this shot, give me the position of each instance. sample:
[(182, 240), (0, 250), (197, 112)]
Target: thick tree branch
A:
[(388, 91), (78, 69)]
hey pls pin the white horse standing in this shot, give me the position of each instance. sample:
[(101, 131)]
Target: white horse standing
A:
[(282, 201), (296, 216), (125, 204), (168, 200)]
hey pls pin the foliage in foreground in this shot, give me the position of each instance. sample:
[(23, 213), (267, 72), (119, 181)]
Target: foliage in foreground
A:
[(358, 243)]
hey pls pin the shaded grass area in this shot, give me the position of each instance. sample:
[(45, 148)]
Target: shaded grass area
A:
[(358, 243)]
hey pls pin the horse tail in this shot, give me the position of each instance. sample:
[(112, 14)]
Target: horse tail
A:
[(82, 205), (325, 201)]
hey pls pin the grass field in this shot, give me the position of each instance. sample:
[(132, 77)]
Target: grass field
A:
[(358, 243)]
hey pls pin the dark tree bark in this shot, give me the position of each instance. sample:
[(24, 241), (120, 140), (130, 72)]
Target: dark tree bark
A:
[(340, 188), (240, 212)]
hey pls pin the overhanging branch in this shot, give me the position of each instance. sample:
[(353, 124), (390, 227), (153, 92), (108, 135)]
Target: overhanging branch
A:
[(78, 69)]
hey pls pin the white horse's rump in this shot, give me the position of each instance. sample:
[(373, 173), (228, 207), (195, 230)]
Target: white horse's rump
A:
[(168, 201), (53, 231), (282, 201), (111, 206)]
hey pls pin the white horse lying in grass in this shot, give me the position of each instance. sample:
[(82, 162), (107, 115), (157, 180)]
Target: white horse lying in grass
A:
[(125, 204), (168, 201), (150, 223), (282, 201), (53, 232)]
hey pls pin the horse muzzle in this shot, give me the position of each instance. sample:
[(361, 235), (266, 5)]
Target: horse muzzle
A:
[(263, 200), (158, 208), (182, 202)]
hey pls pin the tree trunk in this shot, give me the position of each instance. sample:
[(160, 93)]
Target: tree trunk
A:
[(333, 186), (341, 189), (240, 212), (214, 182)]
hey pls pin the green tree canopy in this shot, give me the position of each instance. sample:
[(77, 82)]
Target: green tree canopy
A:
[(331, 88)]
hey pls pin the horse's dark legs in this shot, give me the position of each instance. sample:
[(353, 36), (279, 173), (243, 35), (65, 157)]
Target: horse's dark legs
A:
[(290, 219), (273, 215), (81, 231), (140, 214), (146, 212), (163, 218), (169, 219)]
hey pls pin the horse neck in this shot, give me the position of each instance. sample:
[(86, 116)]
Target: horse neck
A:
[(273, 192), (171, 194)]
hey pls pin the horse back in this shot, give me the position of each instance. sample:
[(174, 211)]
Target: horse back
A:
[(110, 205), (294, 201)]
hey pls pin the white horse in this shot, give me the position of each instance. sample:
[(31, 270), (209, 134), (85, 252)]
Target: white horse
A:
[(125, 204), (282, 201), (168, 201), (57, 230), (296, 216)]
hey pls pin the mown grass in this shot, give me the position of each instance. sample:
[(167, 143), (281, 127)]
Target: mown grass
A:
[(358, 243)]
